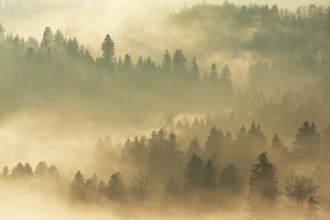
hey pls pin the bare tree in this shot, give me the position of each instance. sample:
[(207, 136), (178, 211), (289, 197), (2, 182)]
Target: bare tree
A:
[(142, 179), (299, 189)]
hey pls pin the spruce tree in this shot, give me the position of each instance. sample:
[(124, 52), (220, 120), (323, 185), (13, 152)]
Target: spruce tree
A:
[(263, 188), (208, 177), (194, 173), (108, 49), (116, 187)]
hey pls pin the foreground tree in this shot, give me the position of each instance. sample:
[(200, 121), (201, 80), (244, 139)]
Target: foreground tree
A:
[(116, 187), (143, 183), (299, 189), (263, 188)]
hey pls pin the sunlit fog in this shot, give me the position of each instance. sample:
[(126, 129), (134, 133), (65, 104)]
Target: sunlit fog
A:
[(201, 109)]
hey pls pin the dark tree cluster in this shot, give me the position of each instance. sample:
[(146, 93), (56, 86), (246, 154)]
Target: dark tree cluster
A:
[(163, 170)]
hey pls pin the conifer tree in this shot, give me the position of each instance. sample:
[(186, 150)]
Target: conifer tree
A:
[(229, 179), (108, 49), (194, 173), (166, 63), (78, 187), (208, 177), (116, 187), (263, 187)]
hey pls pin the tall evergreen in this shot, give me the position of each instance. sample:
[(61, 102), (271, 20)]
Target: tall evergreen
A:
[(179, 63), (194, 173), (208, 177), (166, 63), (225, 80), (263, 188), (229, 179), (78, 187), (307, 142), (194, 71), (108, 49), (116, 187), (214, 74)]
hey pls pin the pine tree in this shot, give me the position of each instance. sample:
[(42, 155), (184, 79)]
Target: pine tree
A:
[(214, 145), (179, 63), (229, 180), (307, 141), (17, 171), (5, 172), (116, 187), (47, 39), (263, 187), (78, 187), (277, 145), (208, 179), (194, 71), (72, 47), (108, 49), (194, 173), (127, 65), (307, 136), (41, 169), (194, 148), (225, 80), (138, 152), (214, 74), (166, 63)]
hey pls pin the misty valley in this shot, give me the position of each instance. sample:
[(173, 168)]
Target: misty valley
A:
[(207, 111)]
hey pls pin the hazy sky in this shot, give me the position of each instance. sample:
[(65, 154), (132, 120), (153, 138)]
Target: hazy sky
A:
[(91, 20)]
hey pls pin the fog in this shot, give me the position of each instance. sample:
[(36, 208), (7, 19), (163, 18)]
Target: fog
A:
[(164, 109)]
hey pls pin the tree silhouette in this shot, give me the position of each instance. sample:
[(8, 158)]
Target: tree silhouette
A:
[(108, 49), (307, 141), (194, 173), (47, 39), (208, 177), (194, 148), (166, 63), (116, 187), (78, 187), (41, 169), (194, 71), (263, 187), (214, 74), (142, 180), (299, 189), (179, 63), (2, 33), (214, 145), (229, 179), (225, 80), (5, 173)]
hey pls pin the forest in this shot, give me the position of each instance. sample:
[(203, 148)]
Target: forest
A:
[(227, 117)]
